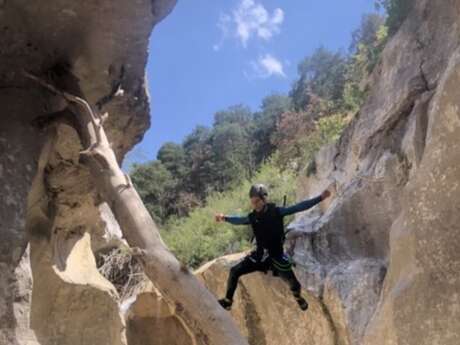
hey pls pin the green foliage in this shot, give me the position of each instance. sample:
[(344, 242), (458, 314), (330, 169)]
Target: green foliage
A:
[(172, 156), (367, 45), (264, 125), (299, 153), (231, 157), (366, 33), (237, 114), (322, 75), (397, 11), (154, 184), (198, 238)]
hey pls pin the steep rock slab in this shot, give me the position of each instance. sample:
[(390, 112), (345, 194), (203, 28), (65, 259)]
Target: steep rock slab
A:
[(420, 301), (379, 156), (265, 310), (18, 150), (150, 320), (351, 292), (73, 304)]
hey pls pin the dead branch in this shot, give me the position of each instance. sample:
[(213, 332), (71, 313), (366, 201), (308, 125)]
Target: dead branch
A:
[(194, 304)]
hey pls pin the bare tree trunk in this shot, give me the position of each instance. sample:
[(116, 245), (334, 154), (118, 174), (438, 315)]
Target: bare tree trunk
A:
[(194, 304)]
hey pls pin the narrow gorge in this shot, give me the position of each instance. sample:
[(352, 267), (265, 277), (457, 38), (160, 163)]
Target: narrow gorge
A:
[(380, 260)]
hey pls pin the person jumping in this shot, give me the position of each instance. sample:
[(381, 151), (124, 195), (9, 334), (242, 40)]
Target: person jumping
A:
[(267, 224)]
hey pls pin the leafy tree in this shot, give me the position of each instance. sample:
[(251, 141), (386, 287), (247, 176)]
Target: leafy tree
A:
[(155, 186), (264, 125), (231, 155), (172, 156), (237, 114), (366, 33), (198, 153), (367, 45), (291, 128), (219, 156), (322, 75), (232, 158), (397, 11)]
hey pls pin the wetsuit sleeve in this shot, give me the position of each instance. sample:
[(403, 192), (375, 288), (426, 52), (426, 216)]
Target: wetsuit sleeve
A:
[(237, 220), (301, 206)]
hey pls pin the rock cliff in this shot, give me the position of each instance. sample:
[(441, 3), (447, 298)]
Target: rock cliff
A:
[(44, 188), (380, 260), (383, 255)]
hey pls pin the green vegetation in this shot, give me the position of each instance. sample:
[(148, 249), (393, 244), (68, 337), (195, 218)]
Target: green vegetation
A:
[(397, 11), (367, 44), (212, 169)]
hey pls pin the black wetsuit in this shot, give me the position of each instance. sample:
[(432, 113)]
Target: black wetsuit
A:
[(268, 228)]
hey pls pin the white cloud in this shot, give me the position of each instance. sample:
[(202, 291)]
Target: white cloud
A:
[(250, 19), (272, 65), (266, 66)]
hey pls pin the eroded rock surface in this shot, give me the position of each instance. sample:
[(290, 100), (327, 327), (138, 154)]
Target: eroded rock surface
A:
[(384, 252), (380, 259), (104, 44), (264, 310), (150, 320)]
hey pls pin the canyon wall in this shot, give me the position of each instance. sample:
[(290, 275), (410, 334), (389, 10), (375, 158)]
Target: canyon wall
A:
[(384, 255), (47, 197), (379, 261)]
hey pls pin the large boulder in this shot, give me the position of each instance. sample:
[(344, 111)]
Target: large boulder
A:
[(265, 309)]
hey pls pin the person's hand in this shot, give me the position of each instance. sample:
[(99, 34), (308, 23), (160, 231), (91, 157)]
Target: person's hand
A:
[(326, 194), (219, 217)]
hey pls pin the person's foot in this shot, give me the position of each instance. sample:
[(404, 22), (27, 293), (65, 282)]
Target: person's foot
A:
[(303, 304), (226, 303)]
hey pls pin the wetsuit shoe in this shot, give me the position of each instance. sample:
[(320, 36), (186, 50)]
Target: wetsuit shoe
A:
[(226, 303), (303, 304)]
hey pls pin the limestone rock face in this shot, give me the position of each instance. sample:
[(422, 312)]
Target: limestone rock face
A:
[(15, 299), (150, 320), (421, 290), (47, 197), (265, 310), (383, 253), (73, 304)]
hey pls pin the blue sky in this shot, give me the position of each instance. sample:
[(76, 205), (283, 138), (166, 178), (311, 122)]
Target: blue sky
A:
[(210, 54)]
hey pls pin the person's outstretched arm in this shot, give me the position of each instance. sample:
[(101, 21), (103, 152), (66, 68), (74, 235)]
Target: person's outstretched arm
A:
[(304, 205), (235, 220)]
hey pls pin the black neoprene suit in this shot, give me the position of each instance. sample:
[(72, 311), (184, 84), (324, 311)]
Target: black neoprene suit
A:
[(268, 229)]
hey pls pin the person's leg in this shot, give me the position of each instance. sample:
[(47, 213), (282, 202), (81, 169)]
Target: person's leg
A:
[(284, 269), (248, 265)]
